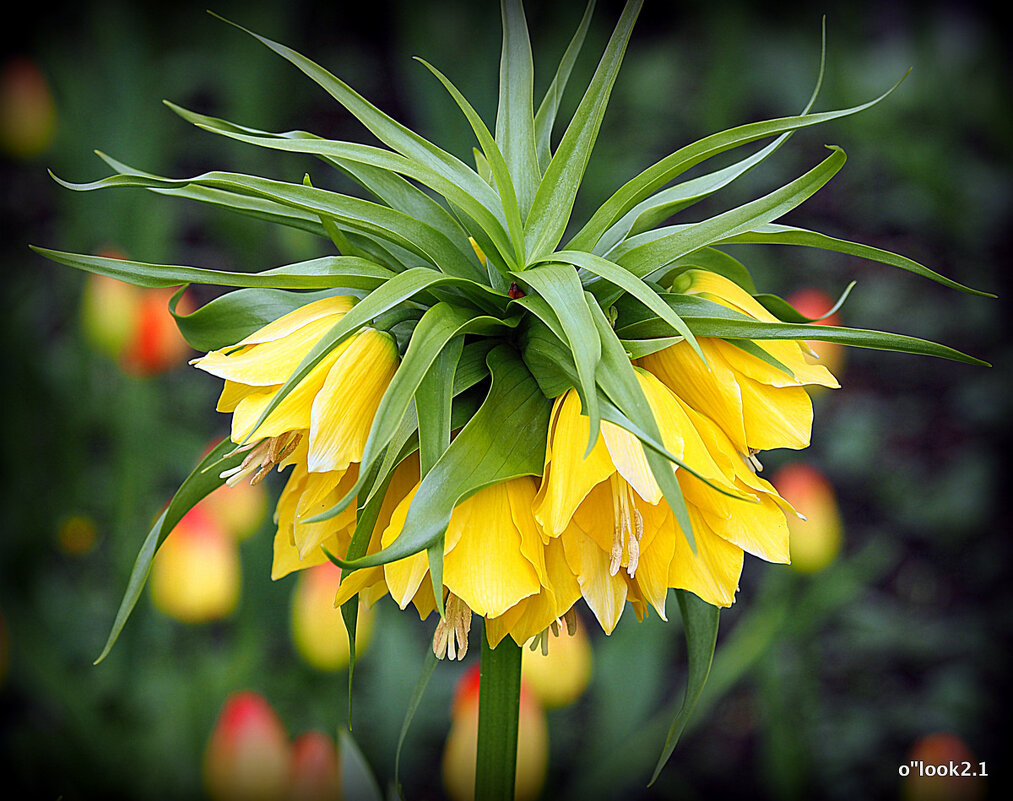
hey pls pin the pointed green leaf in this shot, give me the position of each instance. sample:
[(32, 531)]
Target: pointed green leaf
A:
[(700, 622), (557, 190), (425, 673), (200, 483), (545, 117), (515, 124)]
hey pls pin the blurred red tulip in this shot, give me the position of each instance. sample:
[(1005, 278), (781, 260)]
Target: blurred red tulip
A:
[(195, 574), (940, 767), (318, 630), (315, 770), (462, 743), (815, 303), (559, 677), (27, 112), (815, 541), (248, 757), (156, 344)]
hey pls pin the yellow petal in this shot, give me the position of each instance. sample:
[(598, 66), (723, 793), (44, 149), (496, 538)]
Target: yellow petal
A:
[(604, 594), (651, 576), (268, 363), (486, 569), (713, 571), (789, 352), (776, 417), (359, 581), (404, 576), (343, 409), (569, 476), (336, 306)]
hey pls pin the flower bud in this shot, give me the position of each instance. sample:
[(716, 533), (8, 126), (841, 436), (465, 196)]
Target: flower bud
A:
[(156, 344), (814, 541), (27, 112), (932, 762), (109, 311), (315, 770), (815, 303), (77, 535), (195, 574), (240, 509), (318, 630), (461, 747), (248, 755), (560, 676)]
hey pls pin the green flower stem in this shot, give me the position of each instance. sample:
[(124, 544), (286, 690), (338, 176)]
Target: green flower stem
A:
[(498, 709)]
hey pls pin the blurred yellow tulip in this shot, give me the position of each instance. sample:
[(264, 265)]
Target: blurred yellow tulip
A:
[(560, 675), (815, 541), (195, 575), (318, 630), (462, 743), (240, 509), (248, 757)]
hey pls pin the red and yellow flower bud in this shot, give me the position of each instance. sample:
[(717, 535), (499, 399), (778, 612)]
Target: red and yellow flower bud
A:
[(248, 757), (156, 344), (462, 743), (559, 676), (318, 630), (930, 764), (240, 509), (195, 575), (816, 540), (27, 111), (315, 770)]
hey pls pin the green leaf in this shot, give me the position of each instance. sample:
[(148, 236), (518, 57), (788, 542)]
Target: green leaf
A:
[(717, 261), (700, 622), (500, 171), (545, 117), (357, 780), (505, 439), (515, 124), (234, 316), (662, 247), (378, 161), (785, 312), (557, 190), (200, 483), (631, 284), (348, 272), (788, 235), (387, 130), (428, 666), (655, 177), (709, 319), (559, 286)]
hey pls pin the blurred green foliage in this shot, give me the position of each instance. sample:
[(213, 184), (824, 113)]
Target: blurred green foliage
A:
[(820, 684)]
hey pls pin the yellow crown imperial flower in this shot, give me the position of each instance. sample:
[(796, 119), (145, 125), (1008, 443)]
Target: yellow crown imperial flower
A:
[(493, 409)]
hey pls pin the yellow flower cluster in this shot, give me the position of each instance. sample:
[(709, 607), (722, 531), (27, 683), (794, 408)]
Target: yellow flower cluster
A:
[(522, 552)]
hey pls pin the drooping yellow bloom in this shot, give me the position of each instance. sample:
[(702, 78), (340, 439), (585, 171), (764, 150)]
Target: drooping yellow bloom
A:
[(320, 427), (757, 404), (621, 540)]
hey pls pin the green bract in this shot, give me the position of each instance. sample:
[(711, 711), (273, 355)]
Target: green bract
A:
[(498, 299)]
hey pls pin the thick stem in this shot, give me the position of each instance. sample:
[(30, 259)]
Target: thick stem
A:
[(498, 709)]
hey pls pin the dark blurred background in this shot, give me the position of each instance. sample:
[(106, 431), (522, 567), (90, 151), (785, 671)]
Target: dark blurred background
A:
[(823, 682)]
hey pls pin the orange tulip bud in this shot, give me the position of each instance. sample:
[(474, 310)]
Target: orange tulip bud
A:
[(318, 630), (461, 747), (248, 755), (815, 541), (560, 676), (195, 574), (27, 112), (815, 303), (156, 344), (240, 509), (940, 767), (316, 770)]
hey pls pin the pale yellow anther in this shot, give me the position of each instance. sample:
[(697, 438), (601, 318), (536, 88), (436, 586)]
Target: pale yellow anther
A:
[(450, 640)]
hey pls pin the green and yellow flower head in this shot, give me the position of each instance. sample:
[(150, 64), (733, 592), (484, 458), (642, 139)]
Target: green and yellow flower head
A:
[(486, 406)]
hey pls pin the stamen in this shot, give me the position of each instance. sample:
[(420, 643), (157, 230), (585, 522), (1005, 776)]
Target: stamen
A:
[(628, 522), (261, 458), (570, 618), (450, 640), (752, 461)]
